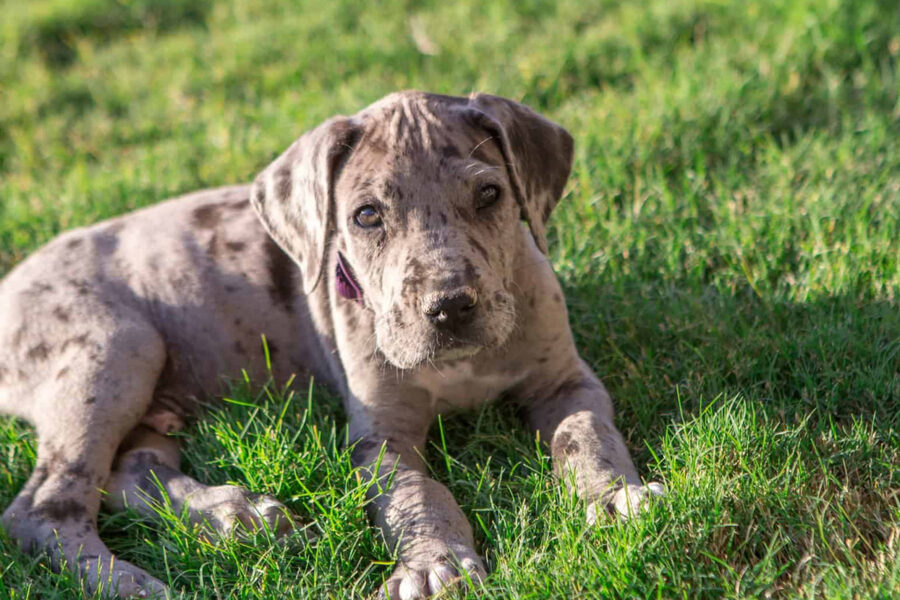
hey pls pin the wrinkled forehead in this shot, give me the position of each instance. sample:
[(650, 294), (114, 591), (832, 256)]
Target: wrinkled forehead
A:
[(413, 140)]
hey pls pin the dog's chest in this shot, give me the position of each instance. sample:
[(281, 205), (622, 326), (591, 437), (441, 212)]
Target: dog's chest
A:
[(461, 386)]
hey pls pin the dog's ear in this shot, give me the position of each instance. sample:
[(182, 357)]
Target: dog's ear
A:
[(538, 155), (294, 196)]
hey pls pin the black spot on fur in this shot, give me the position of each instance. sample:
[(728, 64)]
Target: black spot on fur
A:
[(206, 217), (107, 241), (72, 244), (448, 151), (90, 400), (364, 451), (59, 511), (81, 287), (62, 373), (38, 288), (283, 183), (471, 273), (391, 191), (38, 352), (239, 348), (17, 336), (62, 314), (281, 276), (77, 341), (113, 228), (543, 360), (236, 205), (77, 470), (235, 246), (557, 298), (213, 247), (478, 248), (563, 444)]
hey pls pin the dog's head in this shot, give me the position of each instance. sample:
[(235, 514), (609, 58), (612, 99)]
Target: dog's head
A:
[(420, 196)]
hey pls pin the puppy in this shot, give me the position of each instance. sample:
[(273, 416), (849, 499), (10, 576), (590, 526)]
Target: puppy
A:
[(398, 255)]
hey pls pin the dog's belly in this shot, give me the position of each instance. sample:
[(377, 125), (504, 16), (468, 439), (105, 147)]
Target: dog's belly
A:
[(461, 386)]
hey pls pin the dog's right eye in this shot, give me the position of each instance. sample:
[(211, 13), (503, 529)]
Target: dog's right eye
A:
[(487, 196), (367, 216)]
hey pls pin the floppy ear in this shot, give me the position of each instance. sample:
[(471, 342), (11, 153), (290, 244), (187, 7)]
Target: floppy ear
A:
[(538, 155), (294, 196)]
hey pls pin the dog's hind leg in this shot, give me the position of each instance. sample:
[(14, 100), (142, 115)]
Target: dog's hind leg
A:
[(146, 476), (94, 389)]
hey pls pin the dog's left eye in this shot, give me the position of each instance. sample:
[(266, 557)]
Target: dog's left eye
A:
[(367, 216), (487, 195)]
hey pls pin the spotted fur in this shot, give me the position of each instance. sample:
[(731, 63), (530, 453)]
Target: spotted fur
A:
[(112, 335)]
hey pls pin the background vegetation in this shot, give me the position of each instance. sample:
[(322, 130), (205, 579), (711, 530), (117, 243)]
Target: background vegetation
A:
[(729, 244)]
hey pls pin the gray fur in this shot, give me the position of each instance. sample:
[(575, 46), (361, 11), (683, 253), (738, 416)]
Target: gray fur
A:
[(111, 333)]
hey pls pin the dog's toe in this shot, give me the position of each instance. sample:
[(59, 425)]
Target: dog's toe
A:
[(426, 580), (626, 502), (275, 515), (232, 510), (113, 578)]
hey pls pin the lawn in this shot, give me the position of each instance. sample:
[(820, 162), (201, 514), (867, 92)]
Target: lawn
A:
[(729, 243)]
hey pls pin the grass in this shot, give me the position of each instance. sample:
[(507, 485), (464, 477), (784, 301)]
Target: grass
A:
[(729, 244)]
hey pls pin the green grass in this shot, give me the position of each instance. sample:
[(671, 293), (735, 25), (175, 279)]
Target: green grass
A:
[(729, 244)]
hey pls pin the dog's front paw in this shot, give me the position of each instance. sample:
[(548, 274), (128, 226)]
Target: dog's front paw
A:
[(425, 577), (627, 501)]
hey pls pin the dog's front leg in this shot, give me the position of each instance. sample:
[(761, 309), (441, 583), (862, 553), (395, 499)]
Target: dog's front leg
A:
[(416, 514), (575, 415)]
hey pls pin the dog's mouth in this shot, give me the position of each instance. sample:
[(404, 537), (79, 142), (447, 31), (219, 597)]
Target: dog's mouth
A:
[(457, 352), (444, 347), (425, 348), (347, 286)]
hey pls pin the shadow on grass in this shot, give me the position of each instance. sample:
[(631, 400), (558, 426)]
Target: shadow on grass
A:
[(774, 425), (54, 36)]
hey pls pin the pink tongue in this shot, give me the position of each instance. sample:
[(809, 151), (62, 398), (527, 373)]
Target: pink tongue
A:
[(346, 285)]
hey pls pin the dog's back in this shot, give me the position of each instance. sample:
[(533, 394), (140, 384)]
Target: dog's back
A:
[(199, 270)]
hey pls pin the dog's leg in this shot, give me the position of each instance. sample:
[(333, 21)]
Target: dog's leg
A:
[(589, 453), (146, 476), (101, 388), (419, 514)]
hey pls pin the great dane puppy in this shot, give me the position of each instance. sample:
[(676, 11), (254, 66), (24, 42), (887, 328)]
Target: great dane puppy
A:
[(398, 255)]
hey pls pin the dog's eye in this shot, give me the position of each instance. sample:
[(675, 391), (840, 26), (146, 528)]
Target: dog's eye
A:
[(367, 216), (487, 196)]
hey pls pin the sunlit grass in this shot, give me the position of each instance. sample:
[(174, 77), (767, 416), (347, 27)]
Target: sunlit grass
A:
[(729, 245)]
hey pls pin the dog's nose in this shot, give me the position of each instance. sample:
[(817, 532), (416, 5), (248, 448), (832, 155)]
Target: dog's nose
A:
[(452, 309)]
